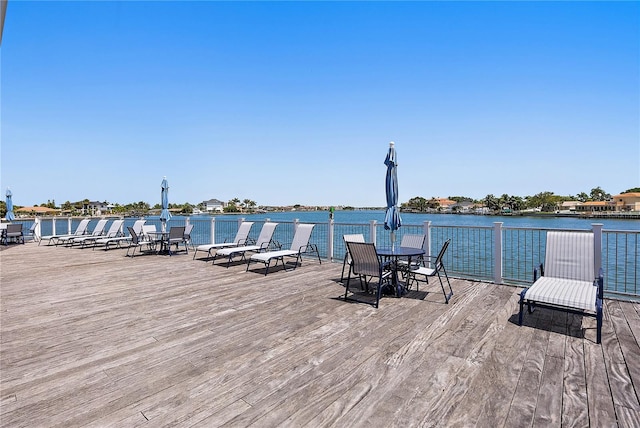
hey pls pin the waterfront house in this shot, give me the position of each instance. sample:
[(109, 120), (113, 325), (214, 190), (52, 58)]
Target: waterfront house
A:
[(627, 201), (97, 208), (213, 205), (596, 206)]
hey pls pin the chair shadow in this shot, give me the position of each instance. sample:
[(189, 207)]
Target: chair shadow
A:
[(547, 323)]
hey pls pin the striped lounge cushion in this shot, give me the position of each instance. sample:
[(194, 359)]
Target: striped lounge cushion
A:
[(568, 293)]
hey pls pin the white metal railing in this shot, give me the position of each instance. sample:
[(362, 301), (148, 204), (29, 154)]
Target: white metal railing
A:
[(504, 255)]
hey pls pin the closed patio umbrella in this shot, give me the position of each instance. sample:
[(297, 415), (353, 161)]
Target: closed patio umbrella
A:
[(164, 196), (392, 220), (9, 216)]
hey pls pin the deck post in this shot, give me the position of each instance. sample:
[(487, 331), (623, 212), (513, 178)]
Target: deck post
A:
[(372, 230), (426, 230), (330, 240), (497, 252), (53, 226), (69, 230), (597, 247), (212, 236)]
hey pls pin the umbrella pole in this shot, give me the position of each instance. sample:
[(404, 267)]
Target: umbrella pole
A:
[(393, 240)]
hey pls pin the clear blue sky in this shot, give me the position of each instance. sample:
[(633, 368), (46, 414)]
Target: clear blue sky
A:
[(292, 102)]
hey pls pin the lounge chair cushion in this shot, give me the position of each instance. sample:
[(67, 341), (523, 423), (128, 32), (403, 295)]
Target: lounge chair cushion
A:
[(265, 257), (569, 293)]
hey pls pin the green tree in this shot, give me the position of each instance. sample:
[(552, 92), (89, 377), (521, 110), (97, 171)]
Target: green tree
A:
[(418, 204), (633, 190), (598, 194), (249, 204), (546, 201), (582, 197), (492, 202)]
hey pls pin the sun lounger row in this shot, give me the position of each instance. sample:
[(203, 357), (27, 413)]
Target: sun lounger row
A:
[(265, 249)]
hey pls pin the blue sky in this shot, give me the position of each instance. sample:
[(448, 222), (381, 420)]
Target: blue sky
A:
[(296, 102)]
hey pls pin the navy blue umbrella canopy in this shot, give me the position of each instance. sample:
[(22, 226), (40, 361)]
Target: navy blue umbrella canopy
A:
[(392, 220), (9, 216), (165, 215)]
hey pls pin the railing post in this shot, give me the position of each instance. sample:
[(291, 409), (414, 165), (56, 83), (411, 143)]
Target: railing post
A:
[(597, 247), (53, 226), (330, 240), (69, 231), (213, 230), (372, 230), (426, 230), (497, 252)]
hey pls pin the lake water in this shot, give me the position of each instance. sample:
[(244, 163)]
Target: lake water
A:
[(442, 219)]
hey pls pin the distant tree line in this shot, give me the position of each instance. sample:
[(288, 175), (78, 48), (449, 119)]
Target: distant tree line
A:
[(545, 201)]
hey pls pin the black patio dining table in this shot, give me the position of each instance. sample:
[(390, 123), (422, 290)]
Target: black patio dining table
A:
[(394, 254), (163, 238)]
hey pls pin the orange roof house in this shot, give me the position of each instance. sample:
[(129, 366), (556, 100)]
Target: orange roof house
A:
[(627, 201)]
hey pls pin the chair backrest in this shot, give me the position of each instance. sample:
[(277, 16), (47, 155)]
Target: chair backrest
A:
[(114, 229), (82, 227), (365, 258), (265, 234), (176, 233), (14, 228), (358, 237), (302, 236), (412, 241), (146, 228), (243, 232), (137, 226), (134, 236), (441, 253), (187, 231), (570, 255), (97, 231)]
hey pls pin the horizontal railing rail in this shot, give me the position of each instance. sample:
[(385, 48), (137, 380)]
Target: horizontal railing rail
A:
[(504, 255)]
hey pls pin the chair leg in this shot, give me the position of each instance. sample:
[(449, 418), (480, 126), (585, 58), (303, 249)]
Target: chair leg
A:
[(344, 263), (446, 296), (522, 293)]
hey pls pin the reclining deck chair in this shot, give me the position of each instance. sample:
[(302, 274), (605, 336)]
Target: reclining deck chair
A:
[(359, 237), (430, 266), (119, 238), (262, 244), (97, 231), (113, 231), (80, 230), (568, 280), (299, 246), (367, 263), (240, 239)]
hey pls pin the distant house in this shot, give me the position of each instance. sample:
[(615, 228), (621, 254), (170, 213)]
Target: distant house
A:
[(570, 205), (627, 201), (213, 205), (463, 207), (596, 206), (98, 208), (444, 204)]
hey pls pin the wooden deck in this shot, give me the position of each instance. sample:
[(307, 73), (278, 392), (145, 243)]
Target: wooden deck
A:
[(92, 338)]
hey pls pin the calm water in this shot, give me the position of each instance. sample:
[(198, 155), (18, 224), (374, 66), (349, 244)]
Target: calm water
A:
[(442, 219)]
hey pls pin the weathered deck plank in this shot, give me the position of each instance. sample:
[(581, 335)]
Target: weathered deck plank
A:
[(93, 338)]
